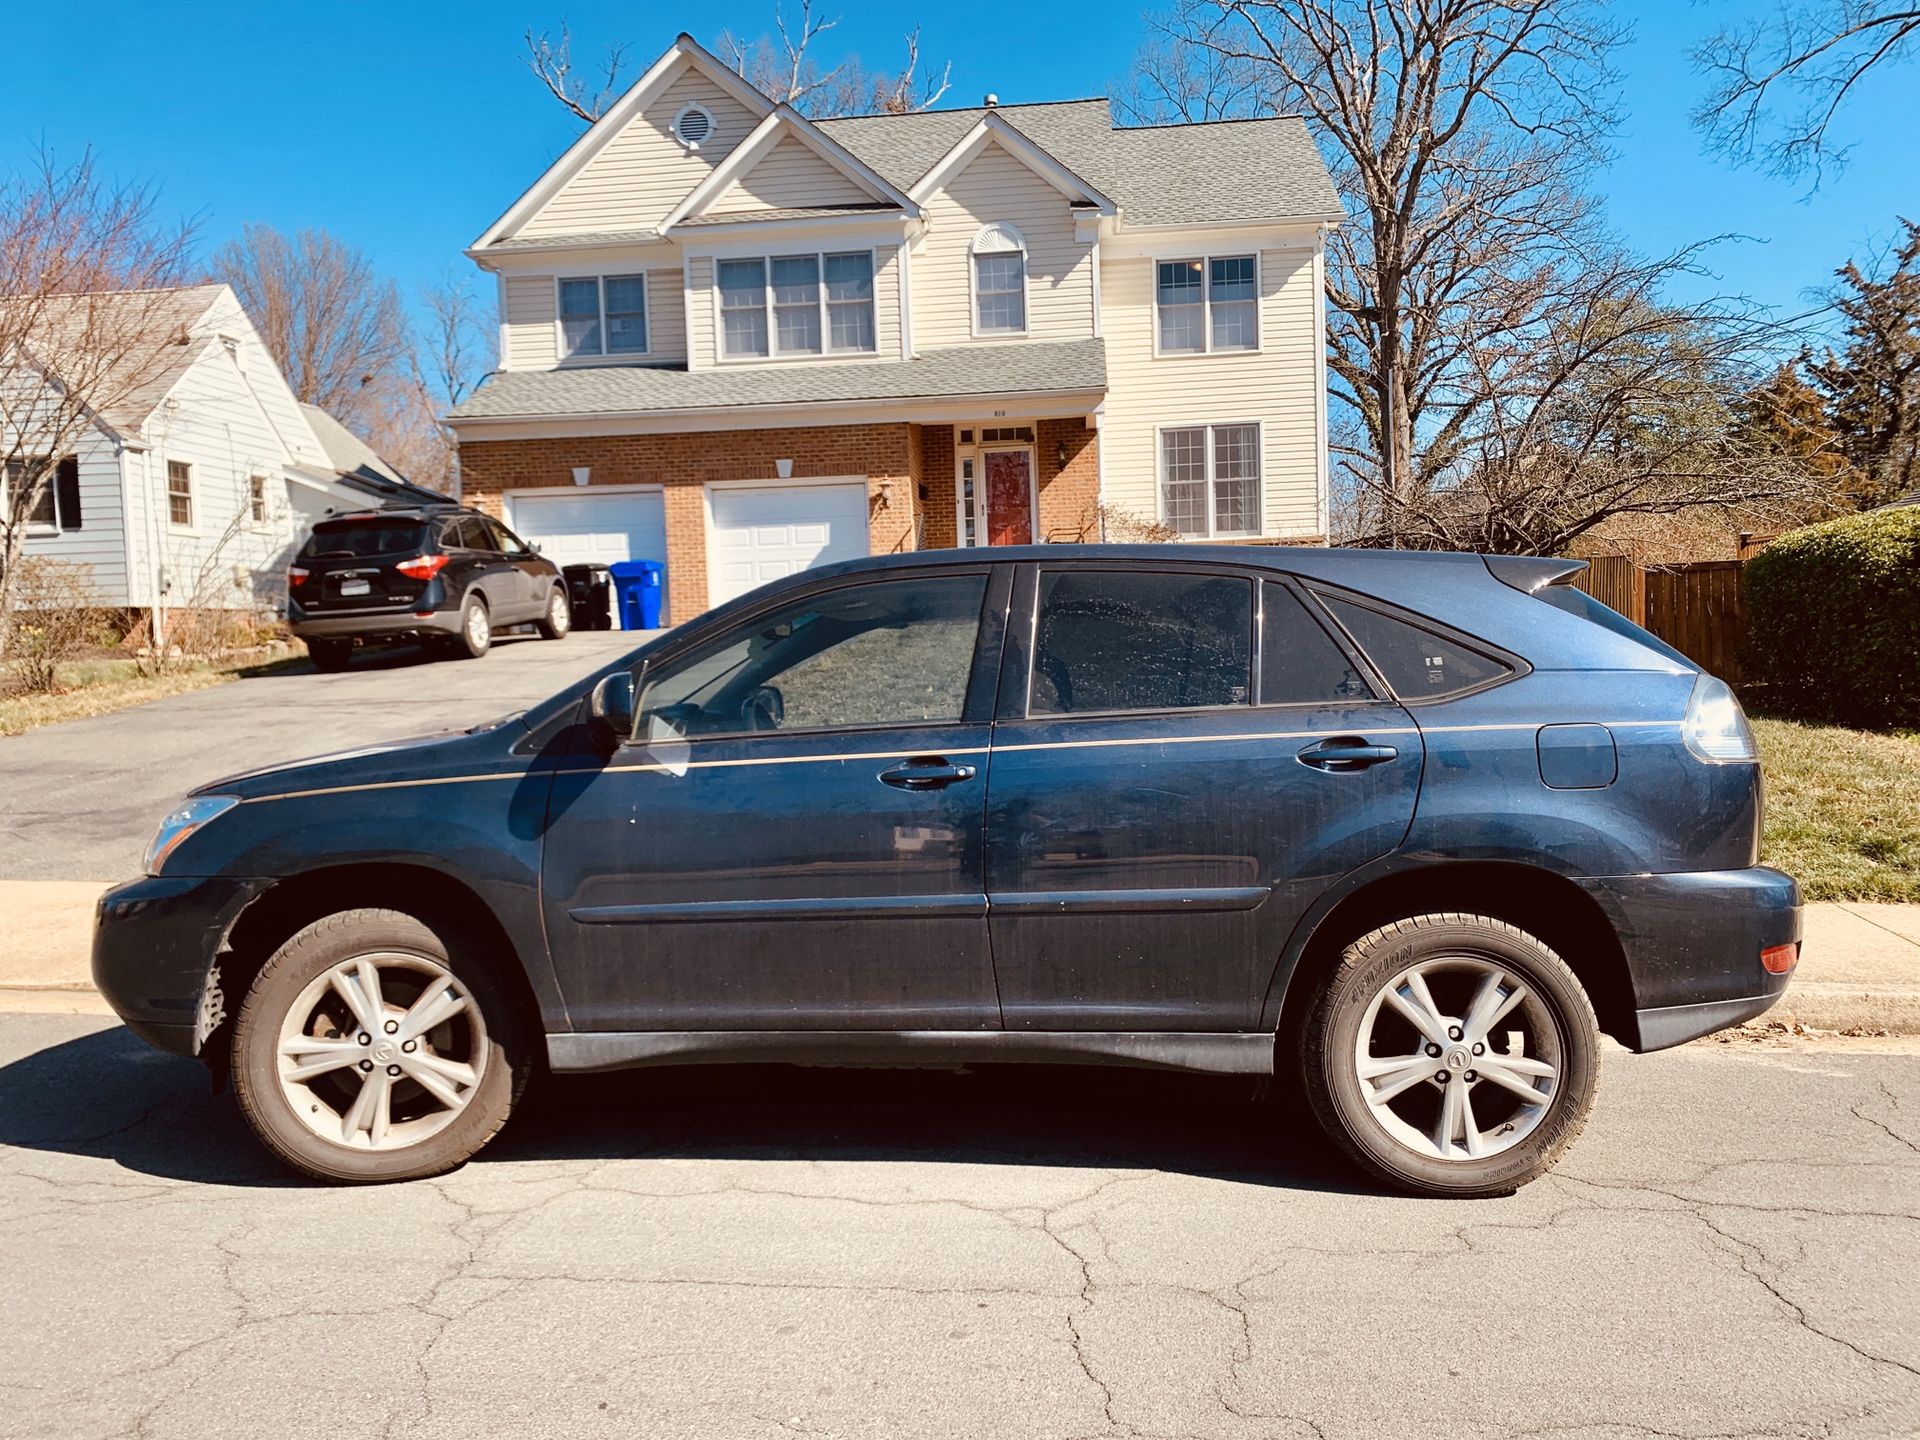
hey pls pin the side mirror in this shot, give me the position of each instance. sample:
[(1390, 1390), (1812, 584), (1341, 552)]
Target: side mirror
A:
[(612, 705)]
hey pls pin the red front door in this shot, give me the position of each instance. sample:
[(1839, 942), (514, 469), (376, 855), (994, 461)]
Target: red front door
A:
[(1009, 497)]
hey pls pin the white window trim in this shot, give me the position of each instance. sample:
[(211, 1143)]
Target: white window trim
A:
[(1000, 229), (1206, 305), (166, 493), (978, 454), (773, 357), (693, 146), (1160, 478), (265, 516), (602, 356)]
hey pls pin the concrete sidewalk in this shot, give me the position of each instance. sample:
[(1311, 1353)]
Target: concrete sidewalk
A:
[(1859, 967)]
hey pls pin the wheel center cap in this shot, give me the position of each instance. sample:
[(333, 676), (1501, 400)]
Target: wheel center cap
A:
[(1458, 1058), (385, 1051)]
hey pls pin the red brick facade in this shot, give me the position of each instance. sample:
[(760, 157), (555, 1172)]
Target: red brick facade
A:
[(909, 470)]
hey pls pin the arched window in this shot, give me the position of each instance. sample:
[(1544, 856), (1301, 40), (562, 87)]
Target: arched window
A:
[(999, 281)]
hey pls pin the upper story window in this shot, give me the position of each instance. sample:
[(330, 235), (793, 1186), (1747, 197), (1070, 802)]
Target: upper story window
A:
[(693, 125), (999, 281), (179, 493), (797, 305), (1207, 305), (603, 315), (257, 498)]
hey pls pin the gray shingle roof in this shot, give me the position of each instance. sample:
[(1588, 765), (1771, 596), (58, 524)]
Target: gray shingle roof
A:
[(141, 373), (1158, 175), (997, 369)]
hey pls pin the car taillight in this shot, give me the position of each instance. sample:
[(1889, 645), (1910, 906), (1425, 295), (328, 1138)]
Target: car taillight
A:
[(1779, 959), (296, 577), (1716, 728), (422, 567)]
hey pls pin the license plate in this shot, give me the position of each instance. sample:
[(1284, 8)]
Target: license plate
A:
[(355, 587)]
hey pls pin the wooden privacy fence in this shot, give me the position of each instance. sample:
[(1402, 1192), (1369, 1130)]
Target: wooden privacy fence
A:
[(1697, 607)]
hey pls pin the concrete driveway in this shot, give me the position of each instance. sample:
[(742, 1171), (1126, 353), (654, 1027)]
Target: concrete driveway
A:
[(79, 801)]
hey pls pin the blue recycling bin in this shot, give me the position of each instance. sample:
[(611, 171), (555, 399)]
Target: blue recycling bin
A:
[(639, 584)]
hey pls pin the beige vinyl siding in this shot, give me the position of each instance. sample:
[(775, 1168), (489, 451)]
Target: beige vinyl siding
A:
[(532, 338), (787, 177), (1274, 387), (100, 543), (643, 172), (997, 187), (703, 304)]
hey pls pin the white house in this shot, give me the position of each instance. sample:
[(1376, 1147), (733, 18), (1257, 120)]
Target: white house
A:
[(194, 489), (743, 342)]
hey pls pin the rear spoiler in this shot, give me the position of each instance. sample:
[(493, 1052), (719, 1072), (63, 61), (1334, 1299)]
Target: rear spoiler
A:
[(1531, 573)]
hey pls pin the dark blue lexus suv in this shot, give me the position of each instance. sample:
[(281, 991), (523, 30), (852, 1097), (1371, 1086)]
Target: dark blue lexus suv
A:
[(1412, 829)]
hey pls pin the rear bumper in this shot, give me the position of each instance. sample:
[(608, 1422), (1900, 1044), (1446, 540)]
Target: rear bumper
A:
[(155, 941), (1693, 944), (372, 624)]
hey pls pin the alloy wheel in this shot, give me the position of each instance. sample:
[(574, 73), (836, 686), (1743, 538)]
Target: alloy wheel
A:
[(381, 1051), (479, 628), (1458, 1058), (559, 613)]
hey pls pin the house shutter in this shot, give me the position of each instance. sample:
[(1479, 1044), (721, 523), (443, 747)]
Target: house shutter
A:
[(66, 493)]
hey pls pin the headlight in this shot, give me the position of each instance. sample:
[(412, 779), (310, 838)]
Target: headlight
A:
[(1716, 728), (189, 817)]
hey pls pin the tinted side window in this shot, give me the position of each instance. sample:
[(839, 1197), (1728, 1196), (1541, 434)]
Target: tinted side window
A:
[(479, 535), (506, 540), (1417, 662), (1141, 640), (1299, 662), (897, 652)]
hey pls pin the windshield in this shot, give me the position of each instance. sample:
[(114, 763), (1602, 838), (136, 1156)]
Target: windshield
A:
[(362, 539), (1578, 602)]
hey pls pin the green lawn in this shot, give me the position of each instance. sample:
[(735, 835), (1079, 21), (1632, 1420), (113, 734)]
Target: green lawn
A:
[(1843, 810)]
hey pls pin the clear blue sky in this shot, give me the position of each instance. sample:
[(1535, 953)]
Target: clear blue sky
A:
[(405, 127)]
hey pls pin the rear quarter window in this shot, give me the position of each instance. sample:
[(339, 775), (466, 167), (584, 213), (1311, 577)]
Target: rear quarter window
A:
[(1420, 664), (361, 540)]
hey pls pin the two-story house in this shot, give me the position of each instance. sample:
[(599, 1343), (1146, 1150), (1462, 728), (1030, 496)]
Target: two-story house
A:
[(744, 342)]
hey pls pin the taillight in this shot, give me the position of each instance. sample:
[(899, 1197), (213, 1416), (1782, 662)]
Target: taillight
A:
[(296, 577), (422, 567), (1716, 728), (1779, 959)]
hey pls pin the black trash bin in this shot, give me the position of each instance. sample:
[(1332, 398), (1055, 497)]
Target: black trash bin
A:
[(590, 589)]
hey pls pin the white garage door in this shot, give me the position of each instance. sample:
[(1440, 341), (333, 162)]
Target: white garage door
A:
[(578, 527), (760, 534)]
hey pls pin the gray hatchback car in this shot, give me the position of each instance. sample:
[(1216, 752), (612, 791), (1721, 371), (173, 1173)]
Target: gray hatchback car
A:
[(1415, 829)]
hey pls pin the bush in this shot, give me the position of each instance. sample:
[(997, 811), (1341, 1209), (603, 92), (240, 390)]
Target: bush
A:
[(1833, 620), (54, 620)]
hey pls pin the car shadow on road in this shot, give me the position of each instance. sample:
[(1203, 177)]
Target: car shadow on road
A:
[(107, 1094), (401, 655)]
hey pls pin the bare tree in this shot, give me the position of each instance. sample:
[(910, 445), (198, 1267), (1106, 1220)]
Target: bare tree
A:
[(89, 320), (1778, 81), (334, 326), (1473, 284), (449, 356), (1872, 385), (783, 65)]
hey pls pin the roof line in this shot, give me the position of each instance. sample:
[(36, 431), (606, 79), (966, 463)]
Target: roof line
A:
[(966, 109), (1223, 120)]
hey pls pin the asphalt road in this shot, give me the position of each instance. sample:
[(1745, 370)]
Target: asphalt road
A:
[(79, 801), (1731, 1250)]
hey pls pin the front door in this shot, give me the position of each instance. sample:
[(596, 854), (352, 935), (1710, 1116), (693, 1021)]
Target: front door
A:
[(1009, 497), (1185, 759), (795, 838)]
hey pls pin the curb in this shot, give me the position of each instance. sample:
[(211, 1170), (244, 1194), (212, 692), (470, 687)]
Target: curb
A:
[(1820, 1006)]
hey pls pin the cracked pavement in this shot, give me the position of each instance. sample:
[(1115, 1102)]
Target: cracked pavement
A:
[(1730, 1250)]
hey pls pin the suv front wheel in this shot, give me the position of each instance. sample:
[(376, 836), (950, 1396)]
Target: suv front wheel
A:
[(1452, 1055), (476, 630)]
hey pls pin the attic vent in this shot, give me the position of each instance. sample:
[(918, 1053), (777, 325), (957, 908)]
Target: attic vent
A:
[(693, 125)]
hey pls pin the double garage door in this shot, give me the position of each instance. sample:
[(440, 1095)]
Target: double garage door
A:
[(757, 533)]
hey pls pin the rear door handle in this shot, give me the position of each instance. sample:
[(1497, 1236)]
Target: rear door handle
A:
[(930, 773), (1346, 753)]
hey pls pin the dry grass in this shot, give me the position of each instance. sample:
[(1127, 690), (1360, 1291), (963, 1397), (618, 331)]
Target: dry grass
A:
[(100, 687), (1843, 810)]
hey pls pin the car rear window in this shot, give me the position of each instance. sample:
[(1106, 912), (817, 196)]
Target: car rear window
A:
[(364, 539), (1420, 664), (1111, 640)]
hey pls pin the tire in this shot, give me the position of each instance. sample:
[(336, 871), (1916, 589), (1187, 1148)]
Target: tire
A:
[(305, 1104), (329, 656), (476, 630), (1495, 1141), (557, 619)]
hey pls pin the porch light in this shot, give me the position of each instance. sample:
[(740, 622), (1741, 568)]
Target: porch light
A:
[(582, 474)]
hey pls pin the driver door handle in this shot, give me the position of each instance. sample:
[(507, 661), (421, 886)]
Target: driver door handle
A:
[(925, 773), (1346, 752)]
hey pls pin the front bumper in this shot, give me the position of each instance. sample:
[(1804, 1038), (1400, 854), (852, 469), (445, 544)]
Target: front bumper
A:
[(155, 941), (1693, 944)]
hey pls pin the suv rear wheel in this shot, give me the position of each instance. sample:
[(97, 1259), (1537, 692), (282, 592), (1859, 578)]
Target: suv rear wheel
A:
[(476, 630), (558, 619), (330, 655), (367, 1049), (1452, 1055)]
